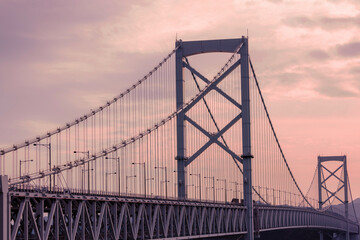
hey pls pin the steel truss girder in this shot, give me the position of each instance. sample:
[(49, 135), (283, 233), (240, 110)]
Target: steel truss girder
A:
[(277, 218), (50, 216), (58, 216)]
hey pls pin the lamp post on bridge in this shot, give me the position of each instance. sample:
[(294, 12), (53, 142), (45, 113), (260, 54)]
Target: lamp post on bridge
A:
[(150, 179), (221, 188), (166, 191), (274, 203), (87, 153), (24, 161), (199, 175), (118, 168), (213, 178), (108, 174), (236, 188), (127, 177), (134, 163), (166, 181), (206, 190), (230, 190), (223, 180), (83, 178), (48, 146)]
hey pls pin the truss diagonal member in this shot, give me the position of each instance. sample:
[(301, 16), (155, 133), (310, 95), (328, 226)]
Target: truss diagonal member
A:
[(332, 173), (332, 194), (33, 220), (221, 92), (19, 217), (212, 85), (61, 212), (212, 139), (50, 219)]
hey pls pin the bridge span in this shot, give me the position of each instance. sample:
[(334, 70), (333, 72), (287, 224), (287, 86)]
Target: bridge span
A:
[(164, 158), (59, 215)]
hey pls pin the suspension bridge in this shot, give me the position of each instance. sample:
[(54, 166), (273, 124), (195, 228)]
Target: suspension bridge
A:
[(180, 154)]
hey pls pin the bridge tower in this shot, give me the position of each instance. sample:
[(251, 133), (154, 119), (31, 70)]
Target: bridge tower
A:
[(343, 184), (189, 48)]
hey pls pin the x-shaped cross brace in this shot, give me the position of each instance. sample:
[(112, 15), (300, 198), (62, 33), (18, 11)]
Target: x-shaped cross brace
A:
[(333, 194), (332, 174), (212, 138), (221, 92)]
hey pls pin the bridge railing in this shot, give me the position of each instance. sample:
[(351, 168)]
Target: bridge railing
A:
[(278, 217), (271, 196), (124, 217)]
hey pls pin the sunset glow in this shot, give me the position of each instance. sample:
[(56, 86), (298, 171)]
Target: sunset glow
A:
[(60, 59)]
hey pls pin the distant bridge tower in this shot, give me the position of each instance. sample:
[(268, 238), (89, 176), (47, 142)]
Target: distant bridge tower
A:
[(236, 46), (343, 184)]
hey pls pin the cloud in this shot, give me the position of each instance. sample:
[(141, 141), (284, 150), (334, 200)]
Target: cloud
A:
[(329, 83), (332, 90), (355, 70), (355, 3), (319, 54), (275, 1), (299, 21), (351, 49), (61, 58), (322, 22)]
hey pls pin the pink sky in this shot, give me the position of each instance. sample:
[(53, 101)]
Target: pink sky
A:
[(60, 59)]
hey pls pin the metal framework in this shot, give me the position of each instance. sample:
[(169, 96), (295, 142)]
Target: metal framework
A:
[(64, 216), (34, 215), (236, 46), (332, 174)]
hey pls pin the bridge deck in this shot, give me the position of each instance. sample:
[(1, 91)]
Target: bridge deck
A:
[(48, 215)]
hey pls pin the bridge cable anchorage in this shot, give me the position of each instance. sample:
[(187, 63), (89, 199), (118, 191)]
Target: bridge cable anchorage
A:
[(93, 112), (77, 163), (218, 129), (275, 136)]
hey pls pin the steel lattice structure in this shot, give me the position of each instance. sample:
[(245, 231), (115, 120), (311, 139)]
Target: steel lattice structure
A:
[(123, 140), (69, 216)]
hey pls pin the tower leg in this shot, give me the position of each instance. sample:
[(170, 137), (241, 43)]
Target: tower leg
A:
[(180, 124), (247, 178)]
